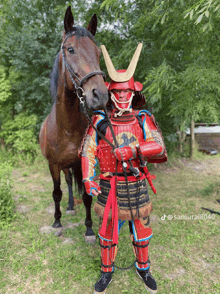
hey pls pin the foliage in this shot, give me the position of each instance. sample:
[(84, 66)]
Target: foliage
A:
[(30, 36), (204, 12), (192, 93), (4, 86), (19, 134), (6, 200), (179, 63), (179, 69)]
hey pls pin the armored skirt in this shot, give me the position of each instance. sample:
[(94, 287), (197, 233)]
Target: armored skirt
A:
[(133, 196)]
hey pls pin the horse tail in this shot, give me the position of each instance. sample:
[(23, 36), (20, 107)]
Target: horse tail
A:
[(77, 174), (43, 137)]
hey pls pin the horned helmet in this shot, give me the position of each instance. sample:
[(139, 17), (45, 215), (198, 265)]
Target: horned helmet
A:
[(123, 80)]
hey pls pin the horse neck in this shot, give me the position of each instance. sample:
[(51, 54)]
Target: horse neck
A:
[(68, 110)]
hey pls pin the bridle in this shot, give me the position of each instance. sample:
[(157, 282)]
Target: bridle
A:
[(79, 90), (78, 85)]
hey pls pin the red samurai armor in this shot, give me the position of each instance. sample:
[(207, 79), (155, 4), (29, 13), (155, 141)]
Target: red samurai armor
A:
[(122, 195)]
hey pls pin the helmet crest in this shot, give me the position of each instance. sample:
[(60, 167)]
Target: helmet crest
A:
[(123, 87), (121, 76)]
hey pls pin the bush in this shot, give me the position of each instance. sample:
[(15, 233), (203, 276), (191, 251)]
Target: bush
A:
[(6, 200), (19, 134)]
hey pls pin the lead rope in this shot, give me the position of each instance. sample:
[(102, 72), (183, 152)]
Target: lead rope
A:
[(98, 132)]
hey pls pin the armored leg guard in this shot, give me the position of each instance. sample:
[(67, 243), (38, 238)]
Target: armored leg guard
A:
[(141, 253), (140, 236), (108, 254)]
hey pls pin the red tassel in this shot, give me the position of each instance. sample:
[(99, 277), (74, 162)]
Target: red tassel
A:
[(111, 204)]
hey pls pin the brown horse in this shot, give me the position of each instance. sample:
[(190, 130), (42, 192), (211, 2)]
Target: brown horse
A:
[(75, 76)]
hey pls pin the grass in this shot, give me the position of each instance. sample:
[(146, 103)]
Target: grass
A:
[(183, 252)]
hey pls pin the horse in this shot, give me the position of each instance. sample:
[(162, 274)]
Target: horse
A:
[(76, 79)]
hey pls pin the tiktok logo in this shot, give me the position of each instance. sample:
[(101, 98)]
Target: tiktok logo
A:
[(163, 217)]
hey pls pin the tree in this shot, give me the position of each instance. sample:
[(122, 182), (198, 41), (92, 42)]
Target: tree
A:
[(204, 12), (182, 76)]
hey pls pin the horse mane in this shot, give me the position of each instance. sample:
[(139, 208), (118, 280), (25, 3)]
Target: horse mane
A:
[(79, 32)]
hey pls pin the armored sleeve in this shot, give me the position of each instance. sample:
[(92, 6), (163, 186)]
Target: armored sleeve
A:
[(152, 136), (89, 150)]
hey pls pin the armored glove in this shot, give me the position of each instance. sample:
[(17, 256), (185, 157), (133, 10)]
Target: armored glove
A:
[(125, 153), (148, 149), (90, 186)]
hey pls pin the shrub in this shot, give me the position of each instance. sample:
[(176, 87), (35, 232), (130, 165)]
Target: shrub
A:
[(6, 200), (19, 134)]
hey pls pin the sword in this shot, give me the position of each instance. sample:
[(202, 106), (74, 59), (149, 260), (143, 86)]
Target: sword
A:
[(144, 167), (134, 170)]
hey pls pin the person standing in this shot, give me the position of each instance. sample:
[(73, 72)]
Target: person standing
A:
[(122, 194)]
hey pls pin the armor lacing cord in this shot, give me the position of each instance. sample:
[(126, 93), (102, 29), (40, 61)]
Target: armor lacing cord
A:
[(105, 247), (107, 266), (140, 246), (121, 110), (146, 262)]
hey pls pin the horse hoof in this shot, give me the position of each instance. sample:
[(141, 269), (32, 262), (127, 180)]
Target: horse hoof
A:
[(57, 225), (90, 239), (70, 212)]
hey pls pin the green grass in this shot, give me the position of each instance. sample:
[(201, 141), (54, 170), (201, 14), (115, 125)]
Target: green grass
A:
[(184, 253)]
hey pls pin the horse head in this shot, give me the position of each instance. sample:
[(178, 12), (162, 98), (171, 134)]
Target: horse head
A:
[(80, 62)]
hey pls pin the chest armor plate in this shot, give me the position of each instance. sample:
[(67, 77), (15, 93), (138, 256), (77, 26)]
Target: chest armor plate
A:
[(128, 133)]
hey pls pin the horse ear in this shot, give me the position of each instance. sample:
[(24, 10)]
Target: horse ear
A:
[(92, 26), (68, 20)]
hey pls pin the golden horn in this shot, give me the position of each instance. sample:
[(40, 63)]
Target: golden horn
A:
[(124, 76)]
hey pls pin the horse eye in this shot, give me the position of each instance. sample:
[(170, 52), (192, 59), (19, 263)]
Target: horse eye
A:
[(71, 50)]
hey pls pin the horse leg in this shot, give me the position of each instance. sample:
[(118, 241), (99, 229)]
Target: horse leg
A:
[(69, 181), (57, 194), (90, 235)]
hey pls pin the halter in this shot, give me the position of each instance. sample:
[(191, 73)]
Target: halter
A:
[(78, 86)]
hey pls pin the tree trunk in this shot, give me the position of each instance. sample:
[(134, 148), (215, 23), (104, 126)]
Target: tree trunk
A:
[(181, 137), (192, 139)]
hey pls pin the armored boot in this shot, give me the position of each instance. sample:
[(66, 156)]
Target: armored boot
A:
[(150, 283), (102, 284), (108, 254), (143, 265)]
